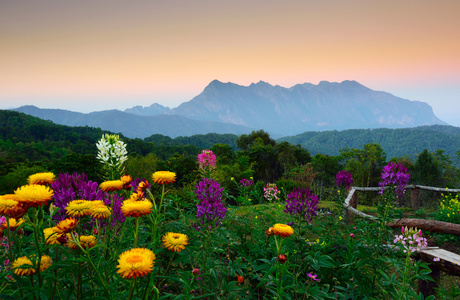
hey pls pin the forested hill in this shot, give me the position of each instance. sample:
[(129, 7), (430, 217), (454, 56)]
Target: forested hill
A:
[(395, 142)]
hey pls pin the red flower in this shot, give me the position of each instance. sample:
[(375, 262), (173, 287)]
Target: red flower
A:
[(240, 279), (282, 258)]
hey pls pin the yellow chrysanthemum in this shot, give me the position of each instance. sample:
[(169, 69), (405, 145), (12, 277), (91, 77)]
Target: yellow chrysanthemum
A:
[(135, 263), (7, 205), (70, 243), (51, 236), (100, 212), (78, 208), (136, 208), (23, 266), (164, 177), (175, 241), (112, 185), (41, 178), (66, 226), (13, 223), (33, 195), (87, 241), (45, 262), (283, 230)]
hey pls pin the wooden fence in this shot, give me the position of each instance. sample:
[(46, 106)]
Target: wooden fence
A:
[(448, 262)]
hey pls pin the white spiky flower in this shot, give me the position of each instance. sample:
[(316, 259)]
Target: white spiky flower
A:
[(112, 151)]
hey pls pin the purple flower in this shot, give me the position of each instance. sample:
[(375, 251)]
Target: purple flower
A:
[(210, 209), (302, 202), (246, 182), (344, 178), (313, 277), (394, 175)]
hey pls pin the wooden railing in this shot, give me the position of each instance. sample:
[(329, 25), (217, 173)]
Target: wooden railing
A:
[(448, 262)]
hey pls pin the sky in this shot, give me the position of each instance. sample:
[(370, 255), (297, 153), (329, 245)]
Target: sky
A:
[(92, 55)]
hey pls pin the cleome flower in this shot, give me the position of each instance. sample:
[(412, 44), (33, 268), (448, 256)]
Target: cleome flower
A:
[(33, 195), (175, 241), (282, 230), (135, 262), (41, 178), (164, 177), (136, 208)]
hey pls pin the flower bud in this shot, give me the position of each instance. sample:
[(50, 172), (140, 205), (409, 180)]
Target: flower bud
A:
[(282, 258)]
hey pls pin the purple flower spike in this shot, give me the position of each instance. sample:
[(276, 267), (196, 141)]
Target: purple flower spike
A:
[(344, 178), (302, 202), (210, 210), (395, 175)]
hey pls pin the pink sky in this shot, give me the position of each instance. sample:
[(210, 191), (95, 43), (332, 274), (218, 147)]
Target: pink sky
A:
[(110, 54)]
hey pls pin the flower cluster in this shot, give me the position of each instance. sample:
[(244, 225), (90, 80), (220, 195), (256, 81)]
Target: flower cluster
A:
[(303, 203), (112, 151), (210, 208), (449, 209), (394, 175), (344, 178), (206, 160), (411, 240), (271, 192), (246, 182)]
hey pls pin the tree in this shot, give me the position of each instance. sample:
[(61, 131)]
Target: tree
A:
[(245, 141)]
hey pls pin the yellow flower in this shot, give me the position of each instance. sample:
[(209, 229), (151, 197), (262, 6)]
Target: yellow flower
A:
[(164, 177), (283, 230), (41, 178), (7, 205), (78, 208), (87, 241), (51, 236), (136, 208), (175, 241), (135, 262), (13, 223), (22, 266), (67, 225), (100, 212), (33, 195), (112, 185), (45, 262)]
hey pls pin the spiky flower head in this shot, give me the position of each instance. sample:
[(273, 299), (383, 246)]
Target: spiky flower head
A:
[(78, 208), (51, 235), (12, 223), (175, 241), (210, 209), (410, 240), (100, 212), (394, 175), (87, 241), (112, 151), (344, 178), (111, 185), (303, 203), (164, 177), (67, 225), (282, 230), (23, 266), (135, 263), (136, 208), (33, 195), (41, 178), (206, 160)]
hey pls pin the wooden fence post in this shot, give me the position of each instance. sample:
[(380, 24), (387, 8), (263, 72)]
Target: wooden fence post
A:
[(414, 198), (353, 203)]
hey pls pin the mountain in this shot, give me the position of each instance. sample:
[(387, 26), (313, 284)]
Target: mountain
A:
[(395, 142), (152, 110), (134, 126), (305, 107)]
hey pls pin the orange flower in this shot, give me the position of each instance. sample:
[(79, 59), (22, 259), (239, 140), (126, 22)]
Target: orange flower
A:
[(136, 208), (164, 177), (135, 262), (41, 178), (240, 279), (283, 230), (33, 195), (13, 223), (112, 185), (67, 225), (126, 179), (51, 236)]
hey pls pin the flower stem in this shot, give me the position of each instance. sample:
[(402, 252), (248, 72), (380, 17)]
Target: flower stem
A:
[(136, 232)]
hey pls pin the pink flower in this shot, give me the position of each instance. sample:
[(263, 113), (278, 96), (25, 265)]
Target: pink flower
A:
[(436, 259), (352, 235), (313, 277)]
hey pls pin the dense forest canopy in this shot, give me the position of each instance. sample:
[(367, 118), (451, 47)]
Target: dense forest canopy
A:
[(29, 145)]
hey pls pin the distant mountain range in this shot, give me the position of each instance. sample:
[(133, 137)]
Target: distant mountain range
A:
[(236, 109)]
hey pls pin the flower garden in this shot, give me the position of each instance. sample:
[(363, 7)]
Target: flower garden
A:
[(66, 237)]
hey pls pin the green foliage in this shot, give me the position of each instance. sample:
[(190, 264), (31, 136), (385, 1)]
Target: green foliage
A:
[(79, 163), (18, 176)]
